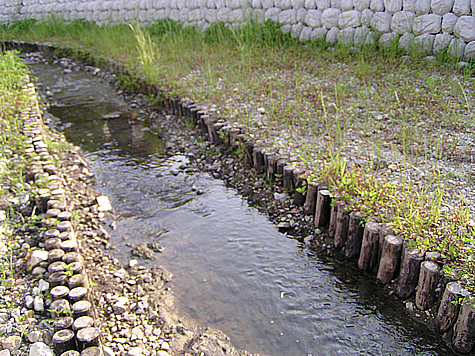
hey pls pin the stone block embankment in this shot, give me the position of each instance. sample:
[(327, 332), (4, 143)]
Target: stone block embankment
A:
[(428, 25)]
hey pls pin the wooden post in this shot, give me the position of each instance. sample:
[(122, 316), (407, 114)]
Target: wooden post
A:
[(384, 230), (71, 353), (63, 340), (76, 294), (92, 351), (409, 274), (310, 199), (78, 280), (57, 266), (323, 208), (464, 330), (83, 322), (59, 292), (271, 164), (390, 258), (55, 255), (58, 279), (332, 224), (61, 323), (450, 305), (428, 278), (300, 184), (59, 307), (288, 177), (88, 337), (342, 224), (369, 247), (258, 158), (355, 235), (81, 308)]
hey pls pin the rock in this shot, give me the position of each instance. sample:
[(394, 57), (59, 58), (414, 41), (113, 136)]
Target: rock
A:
[(38, 304), (461, 7), (442, 40), (137, 332), (381, 22), (361, 5), (5, 352), (469, 50), (29, 302), (465, 28), (441, 7), (38, 271), (12, 342), (406, 41), (393, 6), (38, 336), (165, 346), (135, 351), (313, 18), (37, 256), (104, 203), (43, 286), (349, 19), (40, 349), (142, 251), (402, 21), (162, 353), (424, 43), (431, 24), (377, 5), (330, 18), (366, 17), (107, 351), (422, 7), (448, 22)]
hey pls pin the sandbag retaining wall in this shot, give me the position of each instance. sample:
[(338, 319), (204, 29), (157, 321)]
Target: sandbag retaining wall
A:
[(429, 25)]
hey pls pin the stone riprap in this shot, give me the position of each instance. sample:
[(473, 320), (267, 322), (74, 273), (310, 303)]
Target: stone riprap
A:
[(430, 25)]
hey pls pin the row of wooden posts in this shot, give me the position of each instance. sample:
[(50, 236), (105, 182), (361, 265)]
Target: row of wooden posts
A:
[(411, 272), (75, 329), (375, 246)]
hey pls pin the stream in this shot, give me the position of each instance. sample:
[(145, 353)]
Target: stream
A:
[(233, 270)]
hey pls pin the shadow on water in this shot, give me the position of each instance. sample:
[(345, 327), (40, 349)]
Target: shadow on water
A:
[(233, 269)]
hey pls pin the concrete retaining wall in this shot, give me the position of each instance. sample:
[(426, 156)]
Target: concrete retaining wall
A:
[(430, 25)]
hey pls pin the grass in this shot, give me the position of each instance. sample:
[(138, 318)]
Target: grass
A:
[(389, 134)]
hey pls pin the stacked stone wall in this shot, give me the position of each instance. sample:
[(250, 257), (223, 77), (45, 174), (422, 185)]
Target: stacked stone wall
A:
[(429, 25)]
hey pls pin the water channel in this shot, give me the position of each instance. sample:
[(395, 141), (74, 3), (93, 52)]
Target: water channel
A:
[(233, 270)]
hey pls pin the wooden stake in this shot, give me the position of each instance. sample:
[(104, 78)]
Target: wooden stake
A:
[(63, 340), (409, 274), (76, 294), (369, 246), (332, 224), (342, 225), (310, 199), (390, 258), (450, 305), (81, 308), (322, 208), (300, 184), (464, 330), (428, 278), (92, 351), (88, 337), (64, 322), (59, 292), (83, 322)]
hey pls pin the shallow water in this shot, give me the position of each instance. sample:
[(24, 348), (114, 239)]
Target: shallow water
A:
[(233, 270)]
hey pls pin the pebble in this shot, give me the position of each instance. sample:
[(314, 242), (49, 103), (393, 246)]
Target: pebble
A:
[(43, 286), (37, 257), (40, 349), (165, 346), (107, 351), (11, 342), (162, 353), (38, 304), (136, 351)]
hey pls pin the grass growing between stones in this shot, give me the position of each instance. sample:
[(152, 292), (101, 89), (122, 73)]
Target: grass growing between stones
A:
[(391, 135)]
